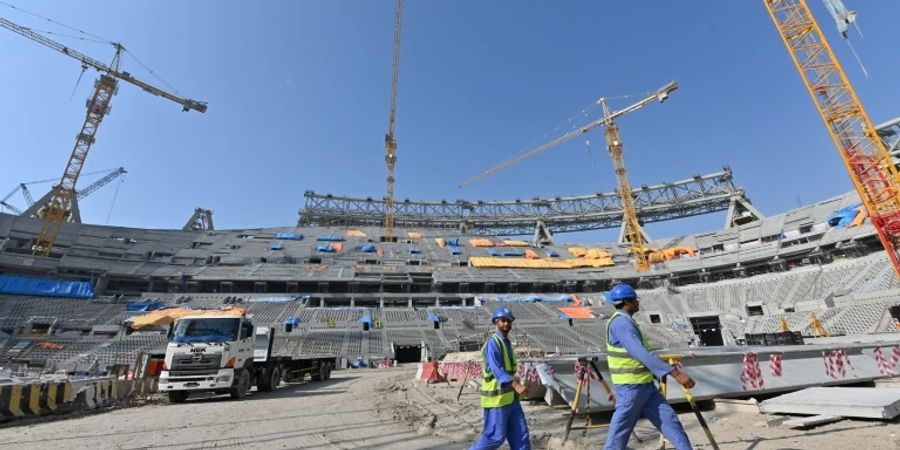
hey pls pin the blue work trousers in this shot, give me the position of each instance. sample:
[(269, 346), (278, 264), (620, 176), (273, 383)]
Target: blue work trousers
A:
[(506, 423), (634, 400)]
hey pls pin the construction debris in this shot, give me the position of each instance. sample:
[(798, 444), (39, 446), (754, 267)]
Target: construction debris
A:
[(871, 403)]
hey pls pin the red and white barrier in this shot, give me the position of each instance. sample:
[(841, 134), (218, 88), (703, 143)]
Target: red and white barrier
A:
[(751, 376), (775, 364), (885, 366), (457, 370), (836, 362)]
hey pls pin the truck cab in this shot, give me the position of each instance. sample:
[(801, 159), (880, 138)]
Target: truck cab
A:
[(208, 353)]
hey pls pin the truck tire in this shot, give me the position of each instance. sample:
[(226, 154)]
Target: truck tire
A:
[(270, 379), (178, 396), (241, 384), (327, 371), (321, 374)]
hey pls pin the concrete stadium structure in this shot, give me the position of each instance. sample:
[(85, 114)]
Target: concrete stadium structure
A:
[(362, 298)]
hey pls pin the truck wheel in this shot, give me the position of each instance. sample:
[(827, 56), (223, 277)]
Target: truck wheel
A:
[(328, 371), (241, 384), (178, 396), (270, 379), (320, 374)]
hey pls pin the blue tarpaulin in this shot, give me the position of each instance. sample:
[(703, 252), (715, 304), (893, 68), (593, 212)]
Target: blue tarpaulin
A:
[(289, 236), (327, 248), (552, 253), (275, 299), (276, 246), (368, 248), (434, 318), (293, 321), (506, 252), (44, 287), (452, 242), (565, 298), (415, 250), (454, 250), (564, 317), (143, 306), (519, 298), (366, 319), (843, 217), (329, 238)]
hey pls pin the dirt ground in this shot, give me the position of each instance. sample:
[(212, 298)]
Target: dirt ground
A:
[(385, 409)]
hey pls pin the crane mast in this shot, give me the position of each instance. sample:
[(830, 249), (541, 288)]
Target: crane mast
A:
[(97, 107), (864, 155), (630, 220), (390, 144)]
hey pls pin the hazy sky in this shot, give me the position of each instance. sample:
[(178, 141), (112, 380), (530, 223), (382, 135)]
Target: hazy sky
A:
[(298, 96)]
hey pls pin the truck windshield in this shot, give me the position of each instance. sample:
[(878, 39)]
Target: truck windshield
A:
[(206, 330)]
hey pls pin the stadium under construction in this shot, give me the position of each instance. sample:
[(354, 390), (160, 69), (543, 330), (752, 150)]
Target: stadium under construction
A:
[(378, 281)]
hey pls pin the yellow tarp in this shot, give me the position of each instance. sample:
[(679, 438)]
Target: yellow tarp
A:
[(414, 235), (597, 253), (165, 317), (515, 243), (481, 242), (488, 262), (578, 252), (440, 242), (355, 233)]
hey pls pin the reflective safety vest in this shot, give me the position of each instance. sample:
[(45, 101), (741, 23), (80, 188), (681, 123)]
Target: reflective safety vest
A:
[(492, 394), (624, 369)]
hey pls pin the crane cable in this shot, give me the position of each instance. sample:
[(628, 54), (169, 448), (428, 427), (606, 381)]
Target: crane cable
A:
[(102, 39), (115, 196)]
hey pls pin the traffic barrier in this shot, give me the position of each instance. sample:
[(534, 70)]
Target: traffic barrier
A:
[(751, 376), (775, 364)]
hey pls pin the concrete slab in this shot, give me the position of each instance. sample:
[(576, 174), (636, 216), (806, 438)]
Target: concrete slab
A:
[(805, 422), (881, 403)]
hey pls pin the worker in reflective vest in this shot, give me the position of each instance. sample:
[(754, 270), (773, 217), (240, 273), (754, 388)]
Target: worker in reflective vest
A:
[(631, 368), (504, 419)]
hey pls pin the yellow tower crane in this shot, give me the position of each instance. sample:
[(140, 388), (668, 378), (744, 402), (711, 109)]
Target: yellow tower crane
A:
[(58, 207), (867, 160), (633, 233), (390, 144)]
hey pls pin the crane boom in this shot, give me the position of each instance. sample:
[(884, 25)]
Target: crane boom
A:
[(100, 183), (864, 155), (390, 143), (186, 104), (660, 95)]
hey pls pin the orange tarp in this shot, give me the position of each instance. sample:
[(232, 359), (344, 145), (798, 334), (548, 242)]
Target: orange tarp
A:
[(578, 252), (481, 243), (576, 312), (531, 254), (355, 233), (337, 246), (164, 317), (509, 243), (414, 235), (675, 252), (440, 242), (860, 217)]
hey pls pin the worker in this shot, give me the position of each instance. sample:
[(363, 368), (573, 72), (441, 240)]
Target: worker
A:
[(632, 367), (504, 419)]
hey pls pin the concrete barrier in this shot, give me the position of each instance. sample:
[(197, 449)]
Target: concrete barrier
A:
[(40, 398)]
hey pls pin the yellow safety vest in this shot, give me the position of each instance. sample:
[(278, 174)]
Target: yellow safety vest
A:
[(492, 394), (624, 369)]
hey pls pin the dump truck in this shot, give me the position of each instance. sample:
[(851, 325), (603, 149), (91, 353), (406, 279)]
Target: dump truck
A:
[(228, 354)]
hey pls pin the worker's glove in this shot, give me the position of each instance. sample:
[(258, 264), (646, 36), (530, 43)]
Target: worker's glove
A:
[(682, 378)]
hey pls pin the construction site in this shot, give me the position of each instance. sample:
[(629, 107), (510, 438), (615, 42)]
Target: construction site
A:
[(363, 322)]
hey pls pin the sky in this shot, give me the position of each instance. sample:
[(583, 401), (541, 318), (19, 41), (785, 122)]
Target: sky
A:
[(298, 95)]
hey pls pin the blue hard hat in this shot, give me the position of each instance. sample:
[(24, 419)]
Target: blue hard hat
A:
[(619, 293), (502, 312)]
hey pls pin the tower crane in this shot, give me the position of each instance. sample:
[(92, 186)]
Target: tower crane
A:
[(39, 209), (871, 168), (97, 107), (633, 232), (390, 144), (29, 200)]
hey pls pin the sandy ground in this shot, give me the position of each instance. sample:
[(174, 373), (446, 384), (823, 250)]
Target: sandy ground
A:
[(385, 409)]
